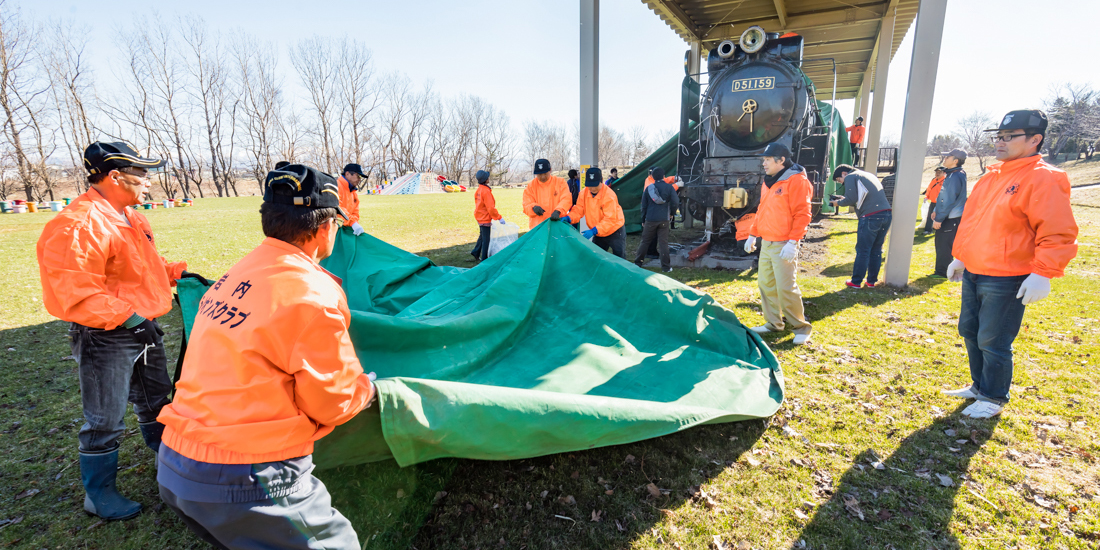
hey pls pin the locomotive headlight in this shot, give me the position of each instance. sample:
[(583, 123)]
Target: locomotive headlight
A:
[(726, 49), (752, 39)]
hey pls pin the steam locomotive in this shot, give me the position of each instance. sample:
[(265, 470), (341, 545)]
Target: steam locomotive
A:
[(757, 94)]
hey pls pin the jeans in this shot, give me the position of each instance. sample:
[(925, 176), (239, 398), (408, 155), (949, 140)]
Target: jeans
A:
[(615, 241), (114, 369), (651, 231), (481, 249), (945, 241), (870, 235), (988, 322)]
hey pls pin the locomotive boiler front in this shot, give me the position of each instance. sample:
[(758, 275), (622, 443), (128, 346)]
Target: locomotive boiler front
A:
[(756, 95)]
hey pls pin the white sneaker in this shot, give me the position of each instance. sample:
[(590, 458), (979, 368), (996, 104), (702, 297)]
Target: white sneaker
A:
[(983, 409), (964, 393), (801, 339), (762, 329)]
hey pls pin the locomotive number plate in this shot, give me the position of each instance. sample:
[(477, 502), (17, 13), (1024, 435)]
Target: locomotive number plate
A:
[(749, 84)]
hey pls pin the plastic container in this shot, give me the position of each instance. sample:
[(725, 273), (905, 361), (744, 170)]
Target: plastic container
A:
[(167, 203), (5, 207), (19, 209), (57, 206), (32, 207), (67, 201)]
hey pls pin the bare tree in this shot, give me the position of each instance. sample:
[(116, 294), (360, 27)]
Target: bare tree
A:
[(1074, 115), (72, 92), (210, 92), (359, 98), (639, 145), (16, 79), (497, 146), (318, 68), (261, 103), (971, 135)]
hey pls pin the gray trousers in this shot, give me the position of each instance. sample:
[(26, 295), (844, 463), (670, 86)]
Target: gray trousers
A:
[(305, 519)]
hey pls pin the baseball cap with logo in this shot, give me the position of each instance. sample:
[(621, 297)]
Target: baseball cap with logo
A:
[(542, 166), (304, 187), (593, 177), (1032, 120), (101, 157)]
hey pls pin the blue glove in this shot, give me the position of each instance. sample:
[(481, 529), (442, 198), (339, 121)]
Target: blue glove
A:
[(566, 219), (589, 233)]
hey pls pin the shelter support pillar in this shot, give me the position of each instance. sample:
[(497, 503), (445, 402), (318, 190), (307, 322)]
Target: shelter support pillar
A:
[(914, 138), (590, 82), (694, 60), (882, 71)]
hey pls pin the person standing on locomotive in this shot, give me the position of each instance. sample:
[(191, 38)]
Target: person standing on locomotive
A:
[(781, 221), (855, 138)]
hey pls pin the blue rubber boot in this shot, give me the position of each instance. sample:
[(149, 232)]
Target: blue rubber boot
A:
[(151, 432), (101, 498)]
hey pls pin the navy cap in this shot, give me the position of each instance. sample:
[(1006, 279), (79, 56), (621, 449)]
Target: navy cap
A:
[(1027, 119), (542, 166), (593, 177), (657, 172), (482, 176), (777, 150), (101, 157), (302, 186), (958, 154), (354, 169)]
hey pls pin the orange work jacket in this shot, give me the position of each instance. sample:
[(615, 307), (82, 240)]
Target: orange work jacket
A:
[(270, 367), (349, 200), (602, 211), (552, 195), (856, 133), (784, 211), (744, 226), (671, 180), (485, 206), (1018, 221), (98, 271), (934, 187)]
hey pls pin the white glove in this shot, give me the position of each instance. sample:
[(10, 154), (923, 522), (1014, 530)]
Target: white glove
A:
[(371, 376), (1034, 288), (502, 221), (358, 229), (955, 271), (750, 244), (789, 252)]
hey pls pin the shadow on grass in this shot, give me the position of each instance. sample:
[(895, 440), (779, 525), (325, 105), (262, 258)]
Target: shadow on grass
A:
[(906, 504)]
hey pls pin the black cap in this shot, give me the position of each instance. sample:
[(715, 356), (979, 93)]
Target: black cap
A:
[(941, 168), (777, 150), (593, 177), (542, 166), (281, 164), (101, 157), (302, 186), (354, 169), (1032, 120), (657, 172)]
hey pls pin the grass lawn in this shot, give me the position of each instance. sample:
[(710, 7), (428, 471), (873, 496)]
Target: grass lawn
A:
[(865, 453)]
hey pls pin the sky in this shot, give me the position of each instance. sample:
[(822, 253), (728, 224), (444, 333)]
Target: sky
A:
[(997, 55)]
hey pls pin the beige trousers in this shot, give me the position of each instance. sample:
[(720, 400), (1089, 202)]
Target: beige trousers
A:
[(779, 293)]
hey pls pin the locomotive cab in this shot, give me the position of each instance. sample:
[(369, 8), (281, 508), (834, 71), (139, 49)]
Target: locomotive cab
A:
[(757, 95)]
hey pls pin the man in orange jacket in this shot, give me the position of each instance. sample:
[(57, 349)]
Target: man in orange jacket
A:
[(101, 272), (931, 194), (270, 369), (349, 195), (781, 222), (855, 138), (1017, 233), (546, 196), (485, 212), (602, 213)]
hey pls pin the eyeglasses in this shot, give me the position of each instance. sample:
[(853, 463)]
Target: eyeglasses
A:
[(136, 174), (1005, 139)]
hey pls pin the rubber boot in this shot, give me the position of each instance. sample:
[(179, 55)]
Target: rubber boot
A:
[(151, 432), (101, 498)]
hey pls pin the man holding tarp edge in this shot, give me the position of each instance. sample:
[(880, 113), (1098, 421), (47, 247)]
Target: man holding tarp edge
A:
[(101, 272), (270, 370), (546, 196)]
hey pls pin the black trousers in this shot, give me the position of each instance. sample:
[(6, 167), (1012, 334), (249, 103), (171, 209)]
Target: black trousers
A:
[(945, 240), (481, 249), (651, 231), (855, 154), (931, 213), (616, 242)]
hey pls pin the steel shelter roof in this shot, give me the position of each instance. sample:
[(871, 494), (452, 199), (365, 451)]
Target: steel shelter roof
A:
[(847, 32)]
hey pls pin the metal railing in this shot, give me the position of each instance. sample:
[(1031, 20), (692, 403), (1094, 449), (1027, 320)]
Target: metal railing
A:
[(887, 160)]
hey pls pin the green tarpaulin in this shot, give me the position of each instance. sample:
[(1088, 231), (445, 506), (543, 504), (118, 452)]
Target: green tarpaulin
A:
[(548, 346), (629, 187), (840, 151)]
